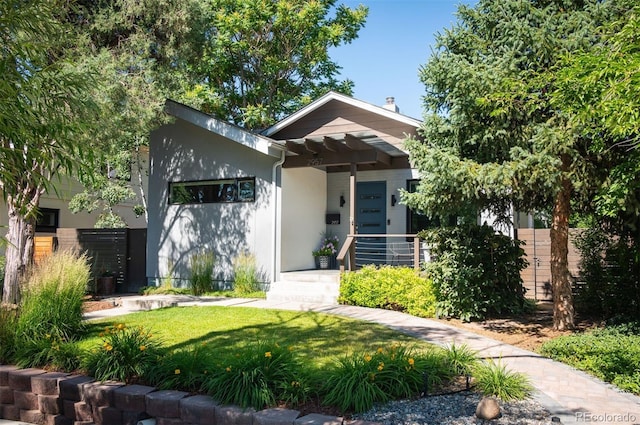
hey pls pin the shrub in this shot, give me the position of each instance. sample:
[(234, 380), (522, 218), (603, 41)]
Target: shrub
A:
[(8, 323), (201, 272), (394, 288), (493, 379), (52, 298), (126, 354), (185, 369), (476, 273), (611, 354), (360, 380), (257, 376), (246, 277), (50, 352)]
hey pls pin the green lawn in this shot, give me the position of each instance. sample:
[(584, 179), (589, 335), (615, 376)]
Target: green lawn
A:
[(319, 338)]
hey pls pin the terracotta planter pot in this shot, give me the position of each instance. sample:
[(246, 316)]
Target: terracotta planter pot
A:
[(105, 285)]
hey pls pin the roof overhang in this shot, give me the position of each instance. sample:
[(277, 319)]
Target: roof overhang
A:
[(336, 152), (257, 142)]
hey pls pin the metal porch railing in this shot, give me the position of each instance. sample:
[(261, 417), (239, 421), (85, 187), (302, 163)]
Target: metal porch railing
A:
[(379, 249)]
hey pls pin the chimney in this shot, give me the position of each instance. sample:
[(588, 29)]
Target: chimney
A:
[(391, 104)]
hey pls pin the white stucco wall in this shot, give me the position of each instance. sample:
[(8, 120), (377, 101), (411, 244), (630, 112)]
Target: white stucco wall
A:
[(184, 152), (304, 205), (338, 184)]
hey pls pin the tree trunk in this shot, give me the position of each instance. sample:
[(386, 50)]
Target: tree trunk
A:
[(19, 252), (563, 311)]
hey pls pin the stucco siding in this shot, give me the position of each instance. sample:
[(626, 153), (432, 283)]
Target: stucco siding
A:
[(338, 184), (184, 152), (304, 204)]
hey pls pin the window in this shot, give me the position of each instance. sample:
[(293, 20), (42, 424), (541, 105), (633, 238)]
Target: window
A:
[(212, 191), (47, 220), (417, 221)]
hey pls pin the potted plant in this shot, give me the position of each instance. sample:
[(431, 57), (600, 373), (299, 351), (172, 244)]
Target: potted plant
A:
[(327, 250), (106, 283)]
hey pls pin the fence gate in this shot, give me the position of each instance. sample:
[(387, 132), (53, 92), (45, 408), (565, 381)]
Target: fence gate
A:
[(537, 276)]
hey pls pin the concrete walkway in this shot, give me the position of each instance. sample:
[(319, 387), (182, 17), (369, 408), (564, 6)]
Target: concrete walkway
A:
[(571, 395)]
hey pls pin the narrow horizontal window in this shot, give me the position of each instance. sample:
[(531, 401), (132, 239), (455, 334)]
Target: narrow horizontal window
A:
[(213, 191)]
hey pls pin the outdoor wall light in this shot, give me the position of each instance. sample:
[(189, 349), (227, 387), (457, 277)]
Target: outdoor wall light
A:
[(342, 201), (393, 200)]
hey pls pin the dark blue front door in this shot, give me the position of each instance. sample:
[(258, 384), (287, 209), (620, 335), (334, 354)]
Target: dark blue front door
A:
[(371, 218)]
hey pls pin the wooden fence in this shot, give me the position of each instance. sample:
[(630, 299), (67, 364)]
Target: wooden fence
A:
[(120, 252), (537, 276)]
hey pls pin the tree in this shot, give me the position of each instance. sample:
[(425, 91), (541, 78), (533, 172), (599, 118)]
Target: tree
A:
[(600, 87), (43, 106), (141, 50), (246, 61), (266, 58), (492, 137)]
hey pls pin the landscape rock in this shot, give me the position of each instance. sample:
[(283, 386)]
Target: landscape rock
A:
[(488, 409)]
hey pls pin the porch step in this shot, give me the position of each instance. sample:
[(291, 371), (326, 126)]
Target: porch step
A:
[(321, 287)]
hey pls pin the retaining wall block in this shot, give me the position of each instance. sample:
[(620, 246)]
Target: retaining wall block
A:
[(276, 416), (132, 398), (99, 394), (233, 415), (106, 415), (317, 419), (32, 416), (47, 383), (198, 410), (50, 404), (20, 379), (71, 388), (132, 418), (169, 421), (25, 400), (82, 412), (57, 420), (165, 403), (10, 411), (4, 374), (6, 395)]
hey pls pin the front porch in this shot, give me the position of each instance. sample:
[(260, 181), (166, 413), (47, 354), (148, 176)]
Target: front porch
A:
[(322, 286)]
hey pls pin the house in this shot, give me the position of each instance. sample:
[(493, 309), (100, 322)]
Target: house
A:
[(335, 166)]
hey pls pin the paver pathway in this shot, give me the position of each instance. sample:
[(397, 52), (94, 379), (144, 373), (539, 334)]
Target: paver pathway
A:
[(571, 395)]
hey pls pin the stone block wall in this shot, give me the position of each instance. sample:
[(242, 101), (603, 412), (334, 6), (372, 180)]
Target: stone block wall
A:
[(51, 398)]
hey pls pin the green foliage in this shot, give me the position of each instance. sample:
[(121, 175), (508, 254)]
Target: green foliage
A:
[(494, 379), (125, 355), (8, 322), (44, 112), (256, 376), (49, 352), (461, 359), (201, 280), (52, 298), (493, 139), (394, 288), (358, 381), (476, 273), (183, 369), (246, 276), (611, 354), (609, 270), (267, 58)]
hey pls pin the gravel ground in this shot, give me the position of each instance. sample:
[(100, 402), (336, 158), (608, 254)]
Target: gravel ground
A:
[(454, 409)]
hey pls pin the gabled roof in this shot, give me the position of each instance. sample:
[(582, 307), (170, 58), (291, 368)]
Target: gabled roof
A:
[(232, 132), (316, 104)]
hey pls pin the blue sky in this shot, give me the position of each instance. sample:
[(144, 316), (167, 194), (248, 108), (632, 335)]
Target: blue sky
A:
[(396, 40)]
